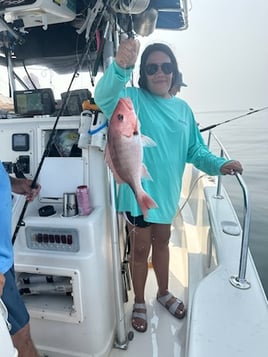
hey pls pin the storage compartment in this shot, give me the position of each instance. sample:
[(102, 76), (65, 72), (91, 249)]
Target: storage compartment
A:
[(52, 294)]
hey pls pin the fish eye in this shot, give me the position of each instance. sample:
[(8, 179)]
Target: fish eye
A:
[(120, 117)]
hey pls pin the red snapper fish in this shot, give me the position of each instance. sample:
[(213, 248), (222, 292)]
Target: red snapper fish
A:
[(124, 152)]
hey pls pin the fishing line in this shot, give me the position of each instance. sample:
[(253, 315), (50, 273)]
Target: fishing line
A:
[(189, 194), (235, 118)]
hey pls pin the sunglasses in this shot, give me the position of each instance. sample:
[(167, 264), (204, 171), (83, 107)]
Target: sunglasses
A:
[(152, 68)]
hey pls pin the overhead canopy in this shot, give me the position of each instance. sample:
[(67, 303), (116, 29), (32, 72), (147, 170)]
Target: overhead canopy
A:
[(55, 33)]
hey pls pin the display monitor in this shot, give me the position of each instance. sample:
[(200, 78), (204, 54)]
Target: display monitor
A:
[(73, 101), (28, 103)]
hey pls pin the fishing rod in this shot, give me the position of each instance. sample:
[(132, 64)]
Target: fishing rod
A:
[(53, 132), (252, 111), (46, 152)]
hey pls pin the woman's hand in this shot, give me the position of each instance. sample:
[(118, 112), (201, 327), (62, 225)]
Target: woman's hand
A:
[(127, 53), (231, 168)]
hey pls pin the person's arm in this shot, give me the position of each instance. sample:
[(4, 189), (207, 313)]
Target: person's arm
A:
[(23, 187), (201, 157), (111, 86)]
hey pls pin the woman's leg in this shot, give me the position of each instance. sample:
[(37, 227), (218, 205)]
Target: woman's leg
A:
[(140, 243), (160, 255), (160, 260)]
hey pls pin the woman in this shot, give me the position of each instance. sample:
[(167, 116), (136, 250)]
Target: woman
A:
[(170, 123)]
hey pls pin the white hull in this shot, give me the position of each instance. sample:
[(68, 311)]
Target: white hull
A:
[(205, 245)]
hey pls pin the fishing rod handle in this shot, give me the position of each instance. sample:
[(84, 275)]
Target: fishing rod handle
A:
[(208, 128)]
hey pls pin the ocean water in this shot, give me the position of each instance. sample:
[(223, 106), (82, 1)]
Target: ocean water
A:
[(246, 139)]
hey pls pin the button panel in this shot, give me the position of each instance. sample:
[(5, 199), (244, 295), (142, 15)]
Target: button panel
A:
[(57, 239)]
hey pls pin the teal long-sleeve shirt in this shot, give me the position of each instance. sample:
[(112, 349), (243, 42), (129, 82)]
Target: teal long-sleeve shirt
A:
[(170, 123)]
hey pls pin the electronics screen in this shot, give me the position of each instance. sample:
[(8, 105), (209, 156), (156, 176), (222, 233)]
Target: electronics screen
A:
[(20, 142), (34, 102), (74, 100)]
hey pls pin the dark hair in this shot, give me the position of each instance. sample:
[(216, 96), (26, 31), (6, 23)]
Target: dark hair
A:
[(144, 57)]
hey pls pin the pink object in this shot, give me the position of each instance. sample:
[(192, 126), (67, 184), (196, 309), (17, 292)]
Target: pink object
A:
[(83, 200)]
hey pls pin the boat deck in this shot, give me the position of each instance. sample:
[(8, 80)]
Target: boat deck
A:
[(166, 335)]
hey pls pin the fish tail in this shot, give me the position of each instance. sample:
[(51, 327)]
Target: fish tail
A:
[(145, 202)]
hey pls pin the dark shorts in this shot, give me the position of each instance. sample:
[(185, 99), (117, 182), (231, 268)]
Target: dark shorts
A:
[(18, 316), (137, 221)]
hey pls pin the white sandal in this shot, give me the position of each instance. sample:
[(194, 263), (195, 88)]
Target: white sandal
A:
[(140, 327), (172, 307)]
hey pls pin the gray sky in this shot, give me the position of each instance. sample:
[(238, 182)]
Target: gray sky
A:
[(223, 54)]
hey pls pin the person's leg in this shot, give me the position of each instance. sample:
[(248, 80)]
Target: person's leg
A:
[(18, 317), (160, 255), (140, 243), (160, 261), (23, 342)]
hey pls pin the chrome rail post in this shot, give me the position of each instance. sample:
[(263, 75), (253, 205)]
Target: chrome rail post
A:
[(239, 281), (219, 183)]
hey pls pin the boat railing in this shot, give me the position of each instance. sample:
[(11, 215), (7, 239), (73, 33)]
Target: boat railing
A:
[(239, 281)]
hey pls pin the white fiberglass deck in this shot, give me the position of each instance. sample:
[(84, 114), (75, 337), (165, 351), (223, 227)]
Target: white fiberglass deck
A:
[(165, 335)]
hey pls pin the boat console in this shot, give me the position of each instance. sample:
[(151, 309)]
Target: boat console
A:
[(63, 264)]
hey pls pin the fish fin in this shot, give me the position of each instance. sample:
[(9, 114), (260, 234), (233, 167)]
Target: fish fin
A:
[(145, 202), (146, 141), (108, 160), (145, 173)]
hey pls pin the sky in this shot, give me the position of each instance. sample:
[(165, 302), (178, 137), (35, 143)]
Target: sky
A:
[(223, 54)]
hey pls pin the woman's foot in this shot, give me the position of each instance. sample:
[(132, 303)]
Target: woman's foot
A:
[(174, 305), (139, 318)]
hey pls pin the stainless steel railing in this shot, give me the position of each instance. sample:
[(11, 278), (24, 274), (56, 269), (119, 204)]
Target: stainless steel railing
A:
[(239, 281)]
